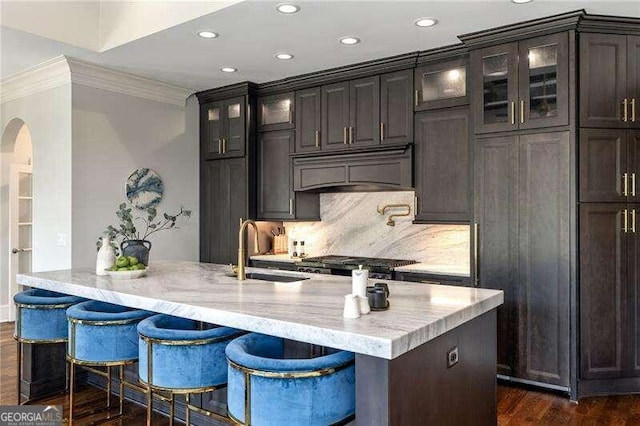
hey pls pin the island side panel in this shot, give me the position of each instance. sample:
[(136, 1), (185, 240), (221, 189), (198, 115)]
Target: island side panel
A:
[(417, 388)]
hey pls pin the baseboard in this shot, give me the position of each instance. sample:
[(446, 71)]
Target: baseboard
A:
[(532, 383), (624, 386), (5, 313)]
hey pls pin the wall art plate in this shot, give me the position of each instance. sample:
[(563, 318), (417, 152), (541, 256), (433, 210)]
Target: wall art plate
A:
[(144, 188)]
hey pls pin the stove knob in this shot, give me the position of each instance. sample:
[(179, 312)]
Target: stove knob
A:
[(316, 271)]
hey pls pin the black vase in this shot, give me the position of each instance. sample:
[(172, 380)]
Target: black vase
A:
[(136, 248)]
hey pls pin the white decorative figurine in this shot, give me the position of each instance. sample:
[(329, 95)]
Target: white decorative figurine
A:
[(106, 256)]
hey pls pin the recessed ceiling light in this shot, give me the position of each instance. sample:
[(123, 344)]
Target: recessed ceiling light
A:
[(521, 1), (228, 69), (426, 22), (284, 56), (349, 40), (287, 8), (207, 34)]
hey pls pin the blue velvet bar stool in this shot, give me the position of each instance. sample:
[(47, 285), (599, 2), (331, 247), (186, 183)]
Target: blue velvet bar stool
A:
[(40, 318), (102, 335), (265, 389), (181, 356)]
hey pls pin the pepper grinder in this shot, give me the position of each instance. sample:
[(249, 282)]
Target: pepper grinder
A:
[(295, 249), (302, 253)]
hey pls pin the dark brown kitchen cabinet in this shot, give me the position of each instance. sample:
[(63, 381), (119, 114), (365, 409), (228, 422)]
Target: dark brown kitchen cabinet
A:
[(364, 112), (609, 165), (223, 128), (396, 112), (441, 85), (522, 211), (496, 214), (276, 198), (276, 112), (604, 288), (335, 116), (609, 81), (224, 201), (308, 120), (442, 165), (521, 85), (544, 257)]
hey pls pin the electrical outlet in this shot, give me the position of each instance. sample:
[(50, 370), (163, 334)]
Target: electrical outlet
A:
[(452, 357), (62, 240)]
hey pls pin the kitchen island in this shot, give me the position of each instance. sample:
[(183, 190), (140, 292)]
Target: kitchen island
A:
[(430, 358)]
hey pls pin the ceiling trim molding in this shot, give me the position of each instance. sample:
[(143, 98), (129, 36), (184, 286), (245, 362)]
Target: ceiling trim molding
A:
[(47, 75), (91, 75)]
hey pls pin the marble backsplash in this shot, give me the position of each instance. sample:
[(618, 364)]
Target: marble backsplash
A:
[(351, 226)]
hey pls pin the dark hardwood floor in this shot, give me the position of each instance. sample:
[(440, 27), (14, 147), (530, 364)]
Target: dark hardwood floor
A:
[(516, 405)]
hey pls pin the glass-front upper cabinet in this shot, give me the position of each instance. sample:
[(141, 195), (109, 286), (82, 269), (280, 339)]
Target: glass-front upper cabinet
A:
[(495, 87), (441, 85), (222, 128), (276, 112), (521, 85), (543, 82)]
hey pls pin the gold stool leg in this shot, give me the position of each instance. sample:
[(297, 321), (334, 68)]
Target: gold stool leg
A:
[(171, 410), (19, 372), (108, 386), (71, 387), (121, 390), (187, 412)]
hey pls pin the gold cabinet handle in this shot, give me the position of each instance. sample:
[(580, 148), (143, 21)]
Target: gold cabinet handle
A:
[(633, 221), (513, 113), (633, 109), (415, 97), (521, 111), (475, 252), (350, 135), (625, 185), (626, 221), (633, 184), (290, 205), (224, 145), (381, 131), (625, 103), (219, 146), (317, 138), (415, 205), (344, 135)]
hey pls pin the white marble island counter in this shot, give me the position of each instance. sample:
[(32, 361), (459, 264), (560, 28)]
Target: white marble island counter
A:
[(308, 311)]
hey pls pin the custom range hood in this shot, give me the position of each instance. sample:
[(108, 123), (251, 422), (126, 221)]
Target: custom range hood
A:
[(373, 170)]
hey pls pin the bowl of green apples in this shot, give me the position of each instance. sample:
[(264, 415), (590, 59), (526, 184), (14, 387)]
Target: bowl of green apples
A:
[(127, 268)]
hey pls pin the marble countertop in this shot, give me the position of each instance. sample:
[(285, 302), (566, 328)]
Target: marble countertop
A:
[(430, 268), (308, 311)]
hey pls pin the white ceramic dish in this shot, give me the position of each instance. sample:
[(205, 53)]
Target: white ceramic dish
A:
[(127, 275)]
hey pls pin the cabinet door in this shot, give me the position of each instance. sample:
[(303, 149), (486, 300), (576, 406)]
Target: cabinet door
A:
[(603, 79), (213, 216), (308, 120), (211, 130), (603, 291), (442, 165), (633, 275), (237, 201), (544, 82), (275, 198), (495, 88), (364, 108), (235, 127), (544, 257), (396, 107), (335, 116), (441, 85), (633, 80), (276, 112), (633, 164), (603, 164), (496, 210)]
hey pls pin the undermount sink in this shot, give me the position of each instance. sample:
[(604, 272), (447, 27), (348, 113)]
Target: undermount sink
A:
[(274, 278)]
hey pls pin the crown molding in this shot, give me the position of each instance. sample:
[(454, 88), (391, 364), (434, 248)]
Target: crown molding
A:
[(91, 75), (63, 70), (47, 75)]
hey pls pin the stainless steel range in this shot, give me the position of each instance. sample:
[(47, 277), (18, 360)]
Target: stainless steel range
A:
[(343, 265)]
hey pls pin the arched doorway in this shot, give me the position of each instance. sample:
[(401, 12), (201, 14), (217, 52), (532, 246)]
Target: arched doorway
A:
[(16, 211)]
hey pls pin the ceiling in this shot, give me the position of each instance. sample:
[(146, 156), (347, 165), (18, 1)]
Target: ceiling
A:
[(252, 32)]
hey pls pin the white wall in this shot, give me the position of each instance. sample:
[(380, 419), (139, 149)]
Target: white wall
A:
[(113, 134), (48, 116)]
